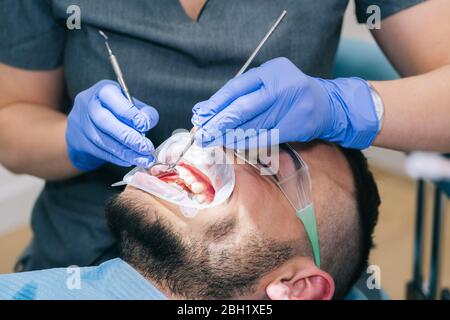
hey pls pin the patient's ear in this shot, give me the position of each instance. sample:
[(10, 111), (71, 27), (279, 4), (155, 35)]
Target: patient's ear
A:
[(309, 283)]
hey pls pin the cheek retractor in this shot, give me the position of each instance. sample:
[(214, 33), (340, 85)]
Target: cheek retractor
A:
[(202, 179)]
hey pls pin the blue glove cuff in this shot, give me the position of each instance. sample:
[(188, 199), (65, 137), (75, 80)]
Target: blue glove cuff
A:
[(356, 123)]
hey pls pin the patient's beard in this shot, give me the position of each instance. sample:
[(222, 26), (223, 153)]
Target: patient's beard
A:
[(190, 269)]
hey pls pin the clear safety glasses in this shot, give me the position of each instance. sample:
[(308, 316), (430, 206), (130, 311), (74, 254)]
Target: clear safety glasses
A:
[(291, 175)]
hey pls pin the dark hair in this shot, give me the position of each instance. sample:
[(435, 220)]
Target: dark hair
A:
[(367, 202)]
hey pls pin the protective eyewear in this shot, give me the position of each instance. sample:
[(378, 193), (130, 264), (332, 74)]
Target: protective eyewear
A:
[(292, 177)]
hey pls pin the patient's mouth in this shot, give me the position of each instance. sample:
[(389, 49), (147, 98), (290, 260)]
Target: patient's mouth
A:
[(187, 178)]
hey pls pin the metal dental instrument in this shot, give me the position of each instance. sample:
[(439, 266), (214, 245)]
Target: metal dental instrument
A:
[(117, 69), (261, 44), (241, 71)]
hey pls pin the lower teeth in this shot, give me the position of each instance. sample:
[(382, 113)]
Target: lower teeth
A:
[(200, 198)]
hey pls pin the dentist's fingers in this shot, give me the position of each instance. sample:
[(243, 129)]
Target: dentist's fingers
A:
[(239, 139), (111, 150), (233, 89), (150, 113), (113, 99), (242, 110), (99, 153), (105, 121)]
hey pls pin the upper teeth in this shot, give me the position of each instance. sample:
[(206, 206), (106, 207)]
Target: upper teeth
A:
[(189, 179), (182, 172), (185, 175), (197, 187)]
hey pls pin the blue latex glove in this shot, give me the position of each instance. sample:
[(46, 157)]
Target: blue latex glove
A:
[(277, 95), (104, 127)]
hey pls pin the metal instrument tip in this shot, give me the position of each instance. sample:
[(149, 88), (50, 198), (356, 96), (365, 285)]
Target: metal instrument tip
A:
[(103, 34), (106, 41)]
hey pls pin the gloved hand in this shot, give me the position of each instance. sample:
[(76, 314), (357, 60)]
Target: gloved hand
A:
[(104, 127), (277, 95)]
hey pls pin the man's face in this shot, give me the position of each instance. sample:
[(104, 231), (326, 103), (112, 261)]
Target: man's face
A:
[(223, 251)]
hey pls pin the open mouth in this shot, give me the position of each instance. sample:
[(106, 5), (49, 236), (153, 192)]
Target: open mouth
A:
[(187, 178)]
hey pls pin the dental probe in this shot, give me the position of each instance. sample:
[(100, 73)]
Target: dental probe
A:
[(241, 71), (117, 69)]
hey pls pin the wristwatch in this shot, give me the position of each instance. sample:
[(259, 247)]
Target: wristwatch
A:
[(379, 106)]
